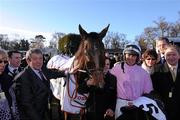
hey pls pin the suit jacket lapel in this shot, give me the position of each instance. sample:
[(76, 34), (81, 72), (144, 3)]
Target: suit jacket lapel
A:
[(36, 78), (166, 69)]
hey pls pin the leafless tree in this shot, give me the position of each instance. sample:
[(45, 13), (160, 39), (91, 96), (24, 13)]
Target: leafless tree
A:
[(162, 26), (115, 40), (38, 42), (55, 38), (150, 34)]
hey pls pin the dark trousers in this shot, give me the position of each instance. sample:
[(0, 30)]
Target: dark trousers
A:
[(56, 113), (97, 116), (68, 116)]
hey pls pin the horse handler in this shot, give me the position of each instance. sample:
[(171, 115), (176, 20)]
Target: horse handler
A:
[(33, 89)]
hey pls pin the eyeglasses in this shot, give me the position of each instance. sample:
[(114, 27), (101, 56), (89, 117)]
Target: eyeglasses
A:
[(5, 61), (151, 59)]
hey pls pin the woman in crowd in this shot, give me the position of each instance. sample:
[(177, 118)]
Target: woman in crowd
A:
[(149, 58), (132, 80), (8, 109)]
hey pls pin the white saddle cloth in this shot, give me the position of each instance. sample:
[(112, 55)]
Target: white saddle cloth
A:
[(65, 88)]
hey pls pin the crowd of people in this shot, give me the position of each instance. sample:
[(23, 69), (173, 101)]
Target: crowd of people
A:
[(25, 92)]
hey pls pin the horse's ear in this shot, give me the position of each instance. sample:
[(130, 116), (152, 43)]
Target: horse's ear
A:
[(102, 34), (82, 32)]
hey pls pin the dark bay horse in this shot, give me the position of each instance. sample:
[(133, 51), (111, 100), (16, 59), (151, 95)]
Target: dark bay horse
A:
[(90, 55), (87, 64)]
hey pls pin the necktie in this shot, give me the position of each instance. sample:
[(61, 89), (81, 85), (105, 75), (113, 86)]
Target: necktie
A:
[(43, 78), (162, 59), (15, 72)]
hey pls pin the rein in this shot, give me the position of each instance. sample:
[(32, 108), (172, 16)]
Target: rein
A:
[(75, 95), (87, 71)]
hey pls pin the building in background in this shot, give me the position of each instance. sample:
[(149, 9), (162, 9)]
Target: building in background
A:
[(175, 40)]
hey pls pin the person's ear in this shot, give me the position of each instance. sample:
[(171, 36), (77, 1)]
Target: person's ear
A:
[(28, 60)]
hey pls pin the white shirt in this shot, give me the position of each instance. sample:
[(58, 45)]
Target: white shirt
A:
[(11, 69), (37, 72)]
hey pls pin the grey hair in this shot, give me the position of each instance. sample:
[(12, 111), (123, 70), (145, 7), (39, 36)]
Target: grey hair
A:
[(32, 51), (3, 52)]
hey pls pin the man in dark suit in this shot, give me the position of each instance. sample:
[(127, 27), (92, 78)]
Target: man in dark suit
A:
[(166, 81), (161, 45), (33, 87), (14, 61)]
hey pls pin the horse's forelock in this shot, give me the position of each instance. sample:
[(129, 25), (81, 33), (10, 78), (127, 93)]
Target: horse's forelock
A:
[(95, 48), (91, 51)]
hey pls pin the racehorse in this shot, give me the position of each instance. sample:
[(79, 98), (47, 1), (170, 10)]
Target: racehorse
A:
[(90, 55), (87, 64)]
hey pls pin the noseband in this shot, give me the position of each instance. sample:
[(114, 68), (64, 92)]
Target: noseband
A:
[(90, 71)]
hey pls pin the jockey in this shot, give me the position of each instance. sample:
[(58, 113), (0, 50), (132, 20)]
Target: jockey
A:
[(132, 80)]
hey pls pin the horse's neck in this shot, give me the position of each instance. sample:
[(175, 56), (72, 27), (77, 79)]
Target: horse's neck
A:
[(74, 67), (79, 64)]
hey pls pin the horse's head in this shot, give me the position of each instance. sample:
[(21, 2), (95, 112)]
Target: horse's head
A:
[(90, 55)]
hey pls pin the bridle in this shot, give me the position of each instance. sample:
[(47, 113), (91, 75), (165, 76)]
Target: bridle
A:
[(90, 72)]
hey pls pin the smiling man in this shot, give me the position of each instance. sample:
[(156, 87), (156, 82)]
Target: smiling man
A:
[(33, 87), (166, 81), (14, 61)]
